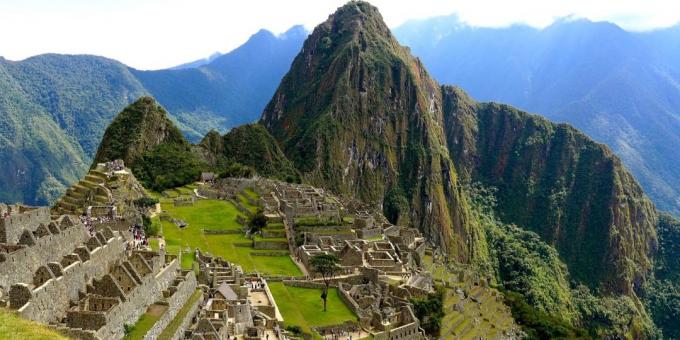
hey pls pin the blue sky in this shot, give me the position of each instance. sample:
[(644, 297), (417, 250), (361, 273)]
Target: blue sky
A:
[(152, 34)]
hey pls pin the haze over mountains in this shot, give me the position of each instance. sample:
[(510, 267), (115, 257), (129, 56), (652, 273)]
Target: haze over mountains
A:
[(54, 108), (621, 88)]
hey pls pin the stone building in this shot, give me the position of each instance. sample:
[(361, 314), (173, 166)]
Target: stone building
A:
[(83, 283)]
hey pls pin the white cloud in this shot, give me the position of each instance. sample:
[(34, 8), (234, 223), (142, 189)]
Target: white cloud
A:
[(151, 34)]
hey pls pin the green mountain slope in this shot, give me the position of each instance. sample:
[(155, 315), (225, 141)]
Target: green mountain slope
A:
[(555, 181), (359, 115), (575, 232), (139, 128), (151, 145), (54, 110), (619, 87), (250, 145)]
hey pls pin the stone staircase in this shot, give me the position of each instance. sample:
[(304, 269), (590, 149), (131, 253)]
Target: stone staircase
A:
[(89, 191)]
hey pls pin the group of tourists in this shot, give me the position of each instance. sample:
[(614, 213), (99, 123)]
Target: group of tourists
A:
[(139, 239), (255, 284)]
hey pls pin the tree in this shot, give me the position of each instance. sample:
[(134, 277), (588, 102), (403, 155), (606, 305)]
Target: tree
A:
[(430, 311), (327, 266), (257, 221)]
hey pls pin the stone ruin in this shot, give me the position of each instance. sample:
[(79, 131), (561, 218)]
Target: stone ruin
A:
[(383, 309), (236, 305), (53, 272)]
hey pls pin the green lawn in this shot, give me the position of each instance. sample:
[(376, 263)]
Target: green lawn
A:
[(244, 201), (145, 322), (153, 243), (303, 307), (172, 327), (251, 193), (14, 327), (218, 215)]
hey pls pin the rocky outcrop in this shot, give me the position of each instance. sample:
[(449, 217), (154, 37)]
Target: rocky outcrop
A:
[(554, 180), (359, 115)]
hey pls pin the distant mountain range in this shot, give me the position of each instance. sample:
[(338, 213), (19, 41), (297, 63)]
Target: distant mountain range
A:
[(621, 88), (54, 108)]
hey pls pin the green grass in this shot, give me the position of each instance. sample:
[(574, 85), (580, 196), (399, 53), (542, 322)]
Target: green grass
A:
[(218, 215), (244, 201), (14, 327), (153, 242), (251, 193), (172, 327), (303, 307), (143, 325)]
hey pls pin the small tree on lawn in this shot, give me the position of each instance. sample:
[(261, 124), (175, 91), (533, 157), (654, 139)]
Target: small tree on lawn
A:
[(327, 266), (257, 221)]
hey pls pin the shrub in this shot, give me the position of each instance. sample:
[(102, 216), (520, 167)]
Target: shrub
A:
[(145, 202), (430, 311), (167, 166), (237, 170)]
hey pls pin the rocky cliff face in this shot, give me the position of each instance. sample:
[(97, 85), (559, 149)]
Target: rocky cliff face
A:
[(359, 115), (555, 181), (140, 127)]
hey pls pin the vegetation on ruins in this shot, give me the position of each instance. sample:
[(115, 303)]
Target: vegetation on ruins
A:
[(430, 311), (327, 266), (257, 221)]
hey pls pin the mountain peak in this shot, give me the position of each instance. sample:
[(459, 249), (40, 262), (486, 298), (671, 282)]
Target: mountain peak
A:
[(138, 128), (358, 114)]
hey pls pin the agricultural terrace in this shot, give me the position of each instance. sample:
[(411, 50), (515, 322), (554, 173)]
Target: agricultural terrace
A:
[(229, 243)]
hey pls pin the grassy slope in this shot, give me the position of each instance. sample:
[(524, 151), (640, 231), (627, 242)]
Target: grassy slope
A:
[(14, 327), (303, 306), (170, 330), (144, 324), (218, 215)]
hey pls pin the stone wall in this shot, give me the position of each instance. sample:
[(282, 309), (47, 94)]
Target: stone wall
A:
[(23, 219), (175, 303), (304, 284), (20, 265), (137, 301), (349, 301), (188, 318), (264, 244), (48, 303)]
